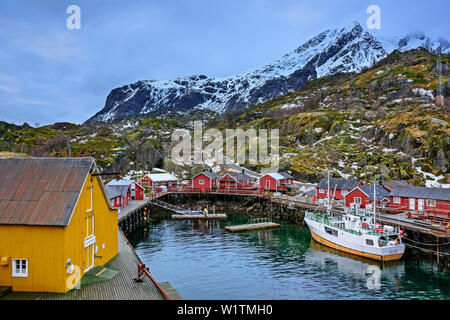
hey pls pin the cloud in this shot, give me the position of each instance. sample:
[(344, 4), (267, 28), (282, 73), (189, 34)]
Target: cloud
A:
[(31, 101), (8, 84)]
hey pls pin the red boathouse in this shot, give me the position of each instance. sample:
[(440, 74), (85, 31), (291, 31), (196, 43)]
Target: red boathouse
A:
[(276, 181), (206, 180)]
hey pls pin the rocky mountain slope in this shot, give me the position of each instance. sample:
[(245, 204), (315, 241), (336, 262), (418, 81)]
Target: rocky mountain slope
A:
[(348, 49), (379, 123)]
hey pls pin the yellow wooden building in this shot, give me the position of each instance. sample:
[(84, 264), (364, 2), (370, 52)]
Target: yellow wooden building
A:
[(56, 222)]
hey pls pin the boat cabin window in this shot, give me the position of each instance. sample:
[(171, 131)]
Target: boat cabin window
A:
[(382, 241), (369, 242), (331, 231)]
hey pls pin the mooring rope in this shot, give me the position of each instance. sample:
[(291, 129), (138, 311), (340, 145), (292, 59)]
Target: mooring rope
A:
[(426, 244), (428, 250)]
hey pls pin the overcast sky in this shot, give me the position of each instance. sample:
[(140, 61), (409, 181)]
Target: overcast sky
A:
[(49, 73)]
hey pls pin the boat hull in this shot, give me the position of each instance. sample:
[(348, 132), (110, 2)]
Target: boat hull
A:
[(385, 258), (353, 243)]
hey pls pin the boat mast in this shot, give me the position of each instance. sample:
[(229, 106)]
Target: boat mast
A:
[(374, 202), (328, 192)]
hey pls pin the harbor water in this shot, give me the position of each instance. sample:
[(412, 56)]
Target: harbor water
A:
[(203, 261)]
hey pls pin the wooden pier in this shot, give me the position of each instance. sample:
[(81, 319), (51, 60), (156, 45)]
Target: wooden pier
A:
[(120, 287), (170, 291), (199, 216), (252, 227)]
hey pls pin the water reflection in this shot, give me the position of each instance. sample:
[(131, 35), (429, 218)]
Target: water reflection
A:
[(360, 268), (203, 261)]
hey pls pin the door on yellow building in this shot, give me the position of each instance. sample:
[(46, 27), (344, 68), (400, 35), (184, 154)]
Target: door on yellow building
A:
[(89, 242)]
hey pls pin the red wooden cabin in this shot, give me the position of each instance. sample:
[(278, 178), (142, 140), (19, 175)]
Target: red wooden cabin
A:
[(206, 180), (119, 195), (362, 196), (137, 191), (276, 181), (236, 181), (155, 181), (421, 200), (122, 191), (342, 187)]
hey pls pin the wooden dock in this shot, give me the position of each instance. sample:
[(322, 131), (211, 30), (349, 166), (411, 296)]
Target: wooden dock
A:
[(199, 216), (170, 291), (252, 226), (120, 287)]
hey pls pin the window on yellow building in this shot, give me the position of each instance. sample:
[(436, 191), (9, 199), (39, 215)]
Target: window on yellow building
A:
[(90, 194), (20, 268)]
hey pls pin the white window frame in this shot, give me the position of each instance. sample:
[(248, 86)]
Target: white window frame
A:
[(397, 200), (344, 192), (20, 274), (356, 202), (90, 209), (201, 181), (431, 203), (321, 190), (412, 203), (92, 217)]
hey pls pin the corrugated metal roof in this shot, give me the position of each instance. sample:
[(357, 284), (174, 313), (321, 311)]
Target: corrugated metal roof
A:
[(421, 193), (280, 175), (396, 183), (209, 174), (381, 192), (121, 182), (276, 176), (41, 191), (286, 175), (157, 177), (238, 176), (116, 190), (338, 184)]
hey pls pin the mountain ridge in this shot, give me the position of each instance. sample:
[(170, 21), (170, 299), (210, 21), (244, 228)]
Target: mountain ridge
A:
[(347, 49)]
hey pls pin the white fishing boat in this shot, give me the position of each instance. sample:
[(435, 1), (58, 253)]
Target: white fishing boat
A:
[(357, 233)]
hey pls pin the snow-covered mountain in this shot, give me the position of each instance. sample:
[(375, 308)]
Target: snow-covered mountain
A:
[(414, 41), (347, 49)]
